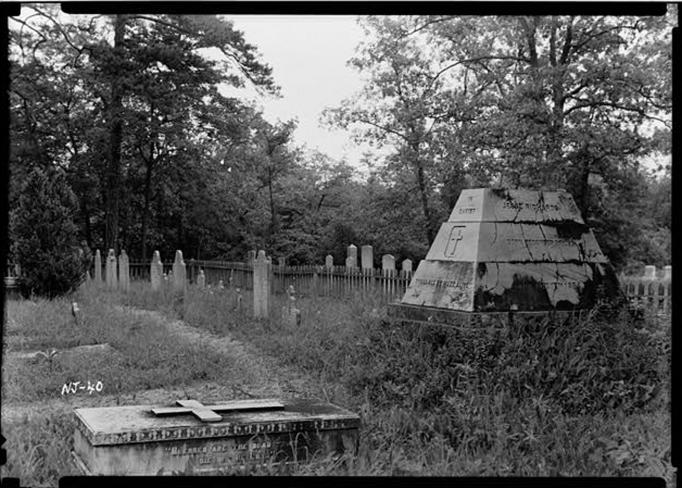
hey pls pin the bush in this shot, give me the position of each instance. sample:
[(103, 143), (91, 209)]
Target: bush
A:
[(45, 236)]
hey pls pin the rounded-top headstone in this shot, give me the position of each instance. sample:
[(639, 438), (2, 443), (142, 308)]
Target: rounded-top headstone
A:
[(650, 272), (157, 257), (667, 272), (178, 256)]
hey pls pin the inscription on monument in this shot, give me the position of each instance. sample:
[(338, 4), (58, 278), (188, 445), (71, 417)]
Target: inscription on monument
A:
[(455, 237)]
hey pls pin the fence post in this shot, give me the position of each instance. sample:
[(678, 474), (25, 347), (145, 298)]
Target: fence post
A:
[(261, 287), (98, 268)]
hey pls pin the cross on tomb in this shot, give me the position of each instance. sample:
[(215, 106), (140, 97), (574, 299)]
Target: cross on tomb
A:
[(455, 237), (207, 413)]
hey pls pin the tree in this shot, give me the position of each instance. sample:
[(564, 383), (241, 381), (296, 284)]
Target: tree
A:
[(45, 237)]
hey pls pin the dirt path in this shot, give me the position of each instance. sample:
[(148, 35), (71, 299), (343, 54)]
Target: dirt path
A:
[(267, 378)]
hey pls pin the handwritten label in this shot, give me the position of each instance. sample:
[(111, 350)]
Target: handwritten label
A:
[(78, 386)]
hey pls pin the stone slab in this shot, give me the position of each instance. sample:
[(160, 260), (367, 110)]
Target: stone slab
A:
[(131, 440)]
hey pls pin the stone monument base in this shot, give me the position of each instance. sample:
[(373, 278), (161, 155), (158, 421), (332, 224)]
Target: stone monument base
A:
[(470, 320)]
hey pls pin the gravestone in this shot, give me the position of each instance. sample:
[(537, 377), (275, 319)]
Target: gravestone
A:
[(98, 268), (201, 279), (179, 273), (508, 250), (329, 261), (291, 316), (407, 266), (388, 263), (195, 438), (667, 272), (261, 286), (650, 272), (111, 271), (123, 272), (352, 257), (156, 271), (367, 255)]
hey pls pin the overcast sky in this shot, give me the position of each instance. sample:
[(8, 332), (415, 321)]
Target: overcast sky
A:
[(308, 54)]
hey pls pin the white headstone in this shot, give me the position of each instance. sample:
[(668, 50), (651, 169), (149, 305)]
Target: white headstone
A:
[(329, 261), (667, 272), (650, 272), (156, 271), (179, 273), (387, 262), (367, 257), (407, 266), (201, 279), (352, 259)]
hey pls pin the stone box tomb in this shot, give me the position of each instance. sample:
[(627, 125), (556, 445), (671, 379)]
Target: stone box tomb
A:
[(192, 438)]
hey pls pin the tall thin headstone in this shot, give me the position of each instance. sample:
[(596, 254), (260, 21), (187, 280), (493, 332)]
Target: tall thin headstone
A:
[(261, 285), (123, 272), (156, 271), (111, 270), (329, 261), (201, 279), (352, 259), (98, 268), (367, 255), (179, 273)]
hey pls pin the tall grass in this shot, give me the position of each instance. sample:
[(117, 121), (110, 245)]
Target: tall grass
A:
[(581, 398)]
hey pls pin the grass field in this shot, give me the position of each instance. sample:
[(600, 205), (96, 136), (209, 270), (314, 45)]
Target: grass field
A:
[(576, 399)]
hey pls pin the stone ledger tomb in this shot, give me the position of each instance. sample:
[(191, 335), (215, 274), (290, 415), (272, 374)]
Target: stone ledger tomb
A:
[(508, 250), (195, 438)]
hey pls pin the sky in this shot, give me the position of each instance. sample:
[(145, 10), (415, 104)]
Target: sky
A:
[(308, 55)]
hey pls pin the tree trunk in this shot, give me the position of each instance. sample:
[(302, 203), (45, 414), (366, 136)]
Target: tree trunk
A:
[(421, 183), (113, 173), (145, 209)]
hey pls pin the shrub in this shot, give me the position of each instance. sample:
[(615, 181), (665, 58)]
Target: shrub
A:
[(45, 236)]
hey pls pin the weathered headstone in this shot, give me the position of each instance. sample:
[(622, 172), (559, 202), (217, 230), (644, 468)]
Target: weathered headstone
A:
[(251, 256), (329, 261), (98, 268), (111, 271), (261, 285), (291, 315), (388, 263), (195, 438), (352, 257), (508, 250), (367, 255), (667, 272), (650, 272), (123, 272), (407, 266), (201, 279), (156, 271), (179, 273)]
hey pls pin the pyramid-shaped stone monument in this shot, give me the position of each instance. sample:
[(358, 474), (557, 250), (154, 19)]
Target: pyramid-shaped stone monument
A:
[(508, 250)]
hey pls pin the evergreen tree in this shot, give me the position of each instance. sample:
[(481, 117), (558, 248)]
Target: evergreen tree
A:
[(45, 237)]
